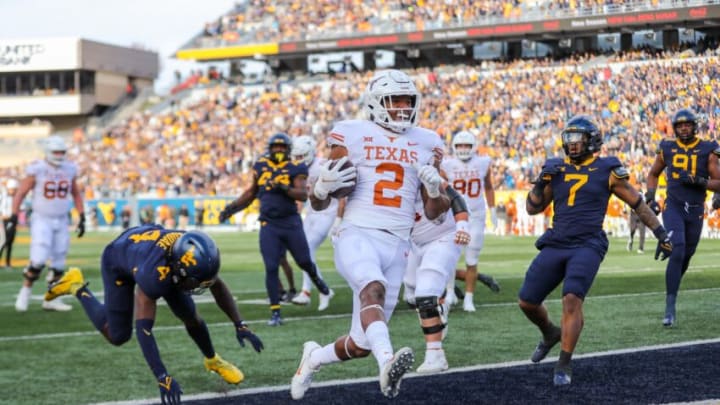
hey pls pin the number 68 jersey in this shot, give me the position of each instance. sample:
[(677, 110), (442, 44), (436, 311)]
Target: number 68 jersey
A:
[(387, 173), (52, 194)]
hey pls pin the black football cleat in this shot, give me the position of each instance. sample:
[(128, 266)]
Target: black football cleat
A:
[(562, 376), (544, 347), (669, 320), (489, 282), (320, 284)]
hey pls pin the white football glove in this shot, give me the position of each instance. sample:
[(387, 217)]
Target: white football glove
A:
[(335, 225), (493, 217), (462, 233), (431, 179), (330, 180)]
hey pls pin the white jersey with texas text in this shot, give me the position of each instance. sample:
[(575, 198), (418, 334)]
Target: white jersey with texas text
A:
[(387, 173), (468, 179), (52, 194)]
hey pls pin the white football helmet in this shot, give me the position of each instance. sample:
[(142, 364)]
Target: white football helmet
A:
[(377, 100), (464, 138), (303, 148), (11, 184), (54, 144)]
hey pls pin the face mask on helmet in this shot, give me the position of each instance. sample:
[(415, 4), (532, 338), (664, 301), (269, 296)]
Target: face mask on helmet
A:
[(464, 145), (581, 138), (304, 149), (575, 144), (392, 101), (55, 150), (279, 147), (195, 262)]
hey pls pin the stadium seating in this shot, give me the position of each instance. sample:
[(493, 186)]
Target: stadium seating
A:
[(207, 145)]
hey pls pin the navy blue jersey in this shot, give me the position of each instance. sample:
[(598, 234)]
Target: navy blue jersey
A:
[(580, 200), (275, 204), (693, 159), (141, 254)]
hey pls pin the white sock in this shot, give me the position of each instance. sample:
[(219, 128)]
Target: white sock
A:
[(323, 355), (468, 296), (25, 291), (378, 335), (433, 345)]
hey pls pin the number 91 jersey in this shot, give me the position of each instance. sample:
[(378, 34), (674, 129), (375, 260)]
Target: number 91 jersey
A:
[(387, 173), (52, 194)]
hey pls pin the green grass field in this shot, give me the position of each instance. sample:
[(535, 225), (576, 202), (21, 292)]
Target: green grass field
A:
[(58, 358)]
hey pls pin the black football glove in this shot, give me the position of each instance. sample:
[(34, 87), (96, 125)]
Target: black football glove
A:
[(11, 222), (169, 390), (716, 201), (547, 171), (650, 201), (692, 180), (228, 211), (243, 332), (81, 226), (664, 246), (278, 187)]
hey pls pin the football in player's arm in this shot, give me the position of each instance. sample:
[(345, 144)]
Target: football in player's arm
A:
[(391, 160)]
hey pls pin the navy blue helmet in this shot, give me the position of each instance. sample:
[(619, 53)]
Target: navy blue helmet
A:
[(195, 261), (682, 116), (581, 128), (279, 139)]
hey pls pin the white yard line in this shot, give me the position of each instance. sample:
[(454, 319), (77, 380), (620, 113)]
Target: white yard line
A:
[(333, 316), (332, 383)]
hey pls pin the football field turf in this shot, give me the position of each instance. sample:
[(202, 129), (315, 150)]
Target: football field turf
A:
[(58, 358)]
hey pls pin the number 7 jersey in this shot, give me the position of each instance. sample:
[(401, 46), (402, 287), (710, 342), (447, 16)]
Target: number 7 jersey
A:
[(52, 194), (387, 173)]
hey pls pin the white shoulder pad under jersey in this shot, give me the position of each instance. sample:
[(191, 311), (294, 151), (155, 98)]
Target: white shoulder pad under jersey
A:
[(52, 194), (468, 179), (387, 180)]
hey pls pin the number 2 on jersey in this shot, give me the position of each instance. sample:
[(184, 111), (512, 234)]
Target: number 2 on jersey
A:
[(379, 197)]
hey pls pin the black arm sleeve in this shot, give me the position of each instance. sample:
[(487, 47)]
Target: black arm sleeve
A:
[(457, 202)]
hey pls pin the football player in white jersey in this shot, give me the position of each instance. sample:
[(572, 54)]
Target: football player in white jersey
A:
[(436, 248), (471, 176), (53, 183), (317, 224), (391, 160), (8, 233)]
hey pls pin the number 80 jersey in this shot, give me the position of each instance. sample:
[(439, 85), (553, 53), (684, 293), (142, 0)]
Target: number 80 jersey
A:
[(387, 173), (52, 194)]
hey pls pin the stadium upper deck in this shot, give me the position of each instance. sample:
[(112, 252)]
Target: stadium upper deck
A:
[(260, 21)]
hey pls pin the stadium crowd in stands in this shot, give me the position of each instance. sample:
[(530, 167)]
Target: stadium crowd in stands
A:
[(258, 21), (207, 146)]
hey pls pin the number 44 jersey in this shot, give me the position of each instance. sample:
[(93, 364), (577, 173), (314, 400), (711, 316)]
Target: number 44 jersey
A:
[(387, 173), (52, 195)]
